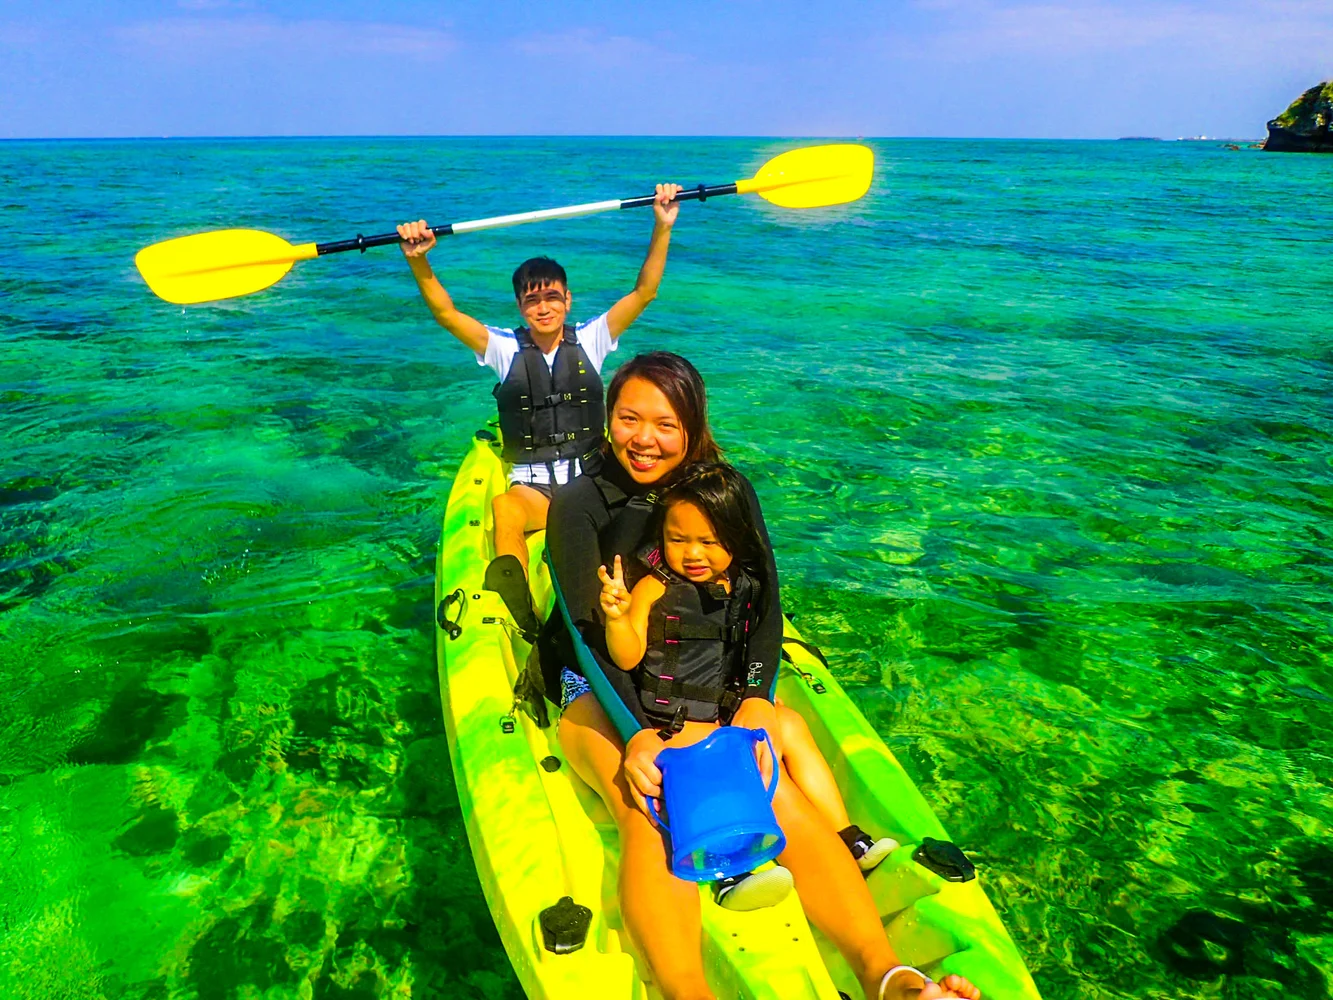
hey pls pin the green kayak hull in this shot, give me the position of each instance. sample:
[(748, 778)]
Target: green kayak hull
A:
[(539, 834)]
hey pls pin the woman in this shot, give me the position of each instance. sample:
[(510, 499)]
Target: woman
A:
[(658, 425)]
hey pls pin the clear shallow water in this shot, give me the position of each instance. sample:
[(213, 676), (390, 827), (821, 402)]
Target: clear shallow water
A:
[(1042, 431)]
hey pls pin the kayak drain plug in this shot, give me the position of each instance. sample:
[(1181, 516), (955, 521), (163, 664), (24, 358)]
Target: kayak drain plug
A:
[(945, 860), (564, 926)]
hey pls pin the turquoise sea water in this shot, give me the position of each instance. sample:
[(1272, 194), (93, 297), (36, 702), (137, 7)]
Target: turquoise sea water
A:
[(1042, 431)]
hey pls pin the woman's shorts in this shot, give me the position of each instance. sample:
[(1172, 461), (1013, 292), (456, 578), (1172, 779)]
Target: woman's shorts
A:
[(571, 686)]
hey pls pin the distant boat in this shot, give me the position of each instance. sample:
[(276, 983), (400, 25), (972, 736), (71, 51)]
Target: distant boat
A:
[(1139, 138)]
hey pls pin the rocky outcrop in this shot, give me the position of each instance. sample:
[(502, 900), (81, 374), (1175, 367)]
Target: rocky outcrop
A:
[(1304, 127)]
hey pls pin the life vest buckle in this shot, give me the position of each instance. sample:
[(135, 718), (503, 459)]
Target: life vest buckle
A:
[(676, 724)]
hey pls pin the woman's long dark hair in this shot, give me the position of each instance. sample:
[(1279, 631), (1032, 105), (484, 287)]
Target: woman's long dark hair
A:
[(684, 389), (720, 492)]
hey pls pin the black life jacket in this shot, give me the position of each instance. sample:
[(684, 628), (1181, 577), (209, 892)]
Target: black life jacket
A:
[(554, 414), (628, 535), (697, 639), (629, 516)]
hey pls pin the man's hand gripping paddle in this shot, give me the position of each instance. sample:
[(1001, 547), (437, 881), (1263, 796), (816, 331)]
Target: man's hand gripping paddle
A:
[(232, 262)]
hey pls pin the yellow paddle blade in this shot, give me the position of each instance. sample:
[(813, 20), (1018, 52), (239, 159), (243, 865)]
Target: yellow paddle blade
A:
[(220, 265), (814, 177)]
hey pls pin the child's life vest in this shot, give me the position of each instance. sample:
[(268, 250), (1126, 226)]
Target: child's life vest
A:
[(697, 640), (550, 414)]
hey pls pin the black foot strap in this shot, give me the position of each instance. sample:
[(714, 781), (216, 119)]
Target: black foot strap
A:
[(505, 577), (856, 839)]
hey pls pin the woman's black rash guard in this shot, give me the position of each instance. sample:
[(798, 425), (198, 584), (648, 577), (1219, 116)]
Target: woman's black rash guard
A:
[(589, 523)]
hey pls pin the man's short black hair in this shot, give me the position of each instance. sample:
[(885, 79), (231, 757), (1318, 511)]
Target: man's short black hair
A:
[(538, 273)]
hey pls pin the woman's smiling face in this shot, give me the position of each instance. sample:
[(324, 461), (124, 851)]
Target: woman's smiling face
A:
[(646, 435)]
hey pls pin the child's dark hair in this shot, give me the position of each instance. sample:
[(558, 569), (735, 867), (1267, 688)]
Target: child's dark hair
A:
[(684, 389), (538, 273), (721, 493)]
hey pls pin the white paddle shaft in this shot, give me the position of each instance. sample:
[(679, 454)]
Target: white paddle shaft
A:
[(542, 215)]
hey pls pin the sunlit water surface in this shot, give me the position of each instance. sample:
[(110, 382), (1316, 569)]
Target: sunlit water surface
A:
[(1043, 435)]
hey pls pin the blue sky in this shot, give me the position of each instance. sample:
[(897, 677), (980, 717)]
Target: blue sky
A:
[(1024, 68)]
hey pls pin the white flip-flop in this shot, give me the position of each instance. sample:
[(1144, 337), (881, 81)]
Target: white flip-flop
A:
[(896, 970)]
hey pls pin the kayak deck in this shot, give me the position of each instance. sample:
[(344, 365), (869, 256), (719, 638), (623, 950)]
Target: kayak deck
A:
[(538, 833)]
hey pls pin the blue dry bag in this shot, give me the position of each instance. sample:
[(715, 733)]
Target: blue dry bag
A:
[(721, 814)]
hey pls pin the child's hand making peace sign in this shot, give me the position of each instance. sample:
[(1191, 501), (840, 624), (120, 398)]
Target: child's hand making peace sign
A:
[(615, 598)]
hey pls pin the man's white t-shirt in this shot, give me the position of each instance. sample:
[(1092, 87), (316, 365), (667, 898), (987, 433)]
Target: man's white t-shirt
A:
[(593, 336)]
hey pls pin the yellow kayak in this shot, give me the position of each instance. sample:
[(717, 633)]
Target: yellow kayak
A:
[(539, 834)]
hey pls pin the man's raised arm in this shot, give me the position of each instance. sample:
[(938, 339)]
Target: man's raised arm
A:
[(418, 241), (627, 310)]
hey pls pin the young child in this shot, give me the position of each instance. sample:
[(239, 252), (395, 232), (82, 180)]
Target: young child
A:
[(550, 395), (682, 628)]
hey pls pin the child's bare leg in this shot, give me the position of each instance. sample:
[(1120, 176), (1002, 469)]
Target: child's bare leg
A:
[(518, 510), (814, 777), (809, 769), (660, 911)]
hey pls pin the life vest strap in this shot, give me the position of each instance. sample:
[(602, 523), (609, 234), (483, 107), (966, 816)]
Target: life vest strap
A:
[(663, 689), (670, 630), (555, 399)]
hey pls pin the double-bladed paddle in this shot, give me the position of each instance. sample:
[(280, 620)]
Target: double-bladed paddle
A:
[(232, 262)]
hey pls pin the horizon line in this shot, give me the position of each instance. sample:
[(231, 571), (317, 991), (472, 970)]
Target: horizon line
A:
[(617, 135)]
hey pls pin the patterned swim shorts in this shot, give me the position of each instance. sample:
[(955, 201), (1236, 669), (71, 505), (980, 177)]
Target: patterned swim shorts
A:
[(571, 686)]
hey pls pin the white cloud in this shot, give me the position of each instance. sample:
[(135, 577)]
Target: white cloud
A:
[(987, 28), (183, 36), (593, 48), (215, 4)]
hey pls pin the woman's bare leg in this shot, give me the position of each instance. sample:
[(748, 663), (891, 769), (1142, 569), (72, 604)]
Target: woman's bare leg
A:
[(661, 911), (809, 769), (832, 889)]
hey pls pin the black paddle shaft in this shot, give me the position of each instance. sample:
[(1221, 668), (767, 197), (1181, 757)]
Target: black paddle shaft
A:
[(701, 193), (363, 243)]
